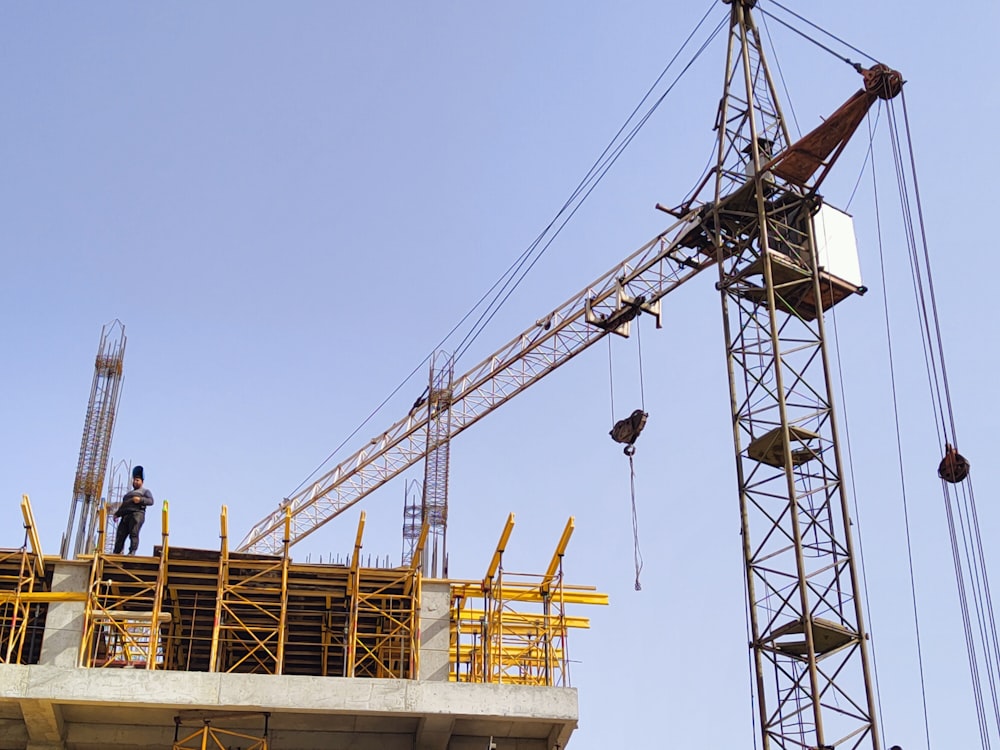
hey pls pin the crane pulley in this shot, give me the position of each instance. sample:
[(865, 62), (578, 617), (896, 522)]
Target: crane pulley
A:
[(627, 430), (954, 467)]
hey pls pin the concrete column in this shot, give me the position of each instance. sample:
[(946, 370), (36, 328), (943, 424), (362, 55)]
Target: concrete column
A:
[(44, 722), (64, 622), (435, 615)]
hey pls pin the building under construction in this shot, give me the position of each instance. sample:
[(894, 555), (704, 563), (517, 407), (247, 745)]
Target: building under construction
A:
[(245, 648), (194, 648)]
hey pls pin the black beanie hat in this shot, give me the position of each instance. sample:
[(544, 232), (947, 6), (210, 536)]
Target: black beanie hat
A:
[(137, 473)]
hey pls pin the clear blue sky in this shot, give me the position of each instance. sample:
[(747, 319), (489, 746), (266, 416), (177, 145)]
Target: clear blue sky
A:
[(289, 205)]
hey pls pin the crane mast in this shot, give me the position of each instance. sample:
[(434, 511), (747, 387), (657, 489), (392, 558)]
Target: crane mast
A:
[(813, 685)]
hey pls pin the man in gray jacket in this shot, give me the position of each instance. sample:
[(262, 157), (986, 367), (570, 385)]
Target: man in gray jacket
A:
[(132, 513)]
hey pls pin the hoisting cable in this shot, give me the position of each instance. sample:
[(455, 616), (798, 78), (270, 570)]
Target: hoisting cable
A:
[(954, 469), (507, 283), (819, 44), (595, 174), (627, 431), (902, 474)]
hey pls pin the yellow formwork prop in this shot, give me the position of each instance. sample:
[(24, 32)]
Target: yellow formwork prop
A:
[(518, 634)]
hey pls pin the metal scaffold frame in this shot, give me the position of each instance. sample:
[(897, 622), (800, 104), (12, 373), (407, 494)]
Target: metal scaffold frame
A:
[(22, 578), (518, 633), (124, 617), (251, 608), (209, 736), (384, 629), (197, 610)]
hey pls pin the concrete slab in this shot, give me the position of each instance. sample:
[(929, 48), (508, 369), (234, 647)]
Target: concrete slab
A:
[(117, 708)]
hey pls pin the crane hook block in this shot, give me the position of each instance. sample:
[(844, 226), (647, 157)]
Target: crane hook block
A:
[(954, 467), (627, 430)]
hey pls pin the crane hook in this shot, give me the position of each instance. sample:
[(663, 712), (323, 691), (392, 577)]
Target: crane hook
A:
[(954, 467), (627, 430)]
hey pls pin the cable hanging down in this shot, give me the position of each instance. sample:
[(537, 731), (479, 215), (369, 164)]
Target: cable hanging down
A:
[(626, 431), (971, 578)]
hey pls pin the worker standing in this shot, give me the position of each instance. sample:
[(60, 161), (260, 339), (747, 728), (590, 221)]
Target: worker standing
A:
[(132, 513)]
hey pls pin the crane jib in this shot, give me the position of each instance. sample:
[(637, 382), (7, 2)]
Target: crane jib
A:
[(607, 305)]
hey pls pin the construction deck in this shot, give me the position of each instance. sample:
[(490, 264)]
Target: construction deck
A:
[(199, 648)]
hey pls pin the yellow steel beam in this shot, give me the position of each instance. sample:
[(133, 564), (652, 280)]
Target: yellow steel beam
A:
[(224, 530), (165, 523), (102, 527), (418, 551), (44, 596), (501, 546), (581, 595), (522, 623), (32, 529), (558, 555), (356, 557)]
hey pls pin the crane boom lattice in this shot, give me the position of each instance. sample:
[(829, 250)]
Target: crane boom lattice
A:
[(638, 282)]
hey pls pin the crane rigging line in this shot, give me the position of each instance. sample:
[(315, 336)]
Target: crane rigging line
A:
[(902, 474), (813, 40), (609, 156), (962, 517), (507, 282)]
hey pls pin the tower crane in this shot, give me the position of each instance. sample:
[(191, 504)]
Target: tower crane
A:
[(757, 219)]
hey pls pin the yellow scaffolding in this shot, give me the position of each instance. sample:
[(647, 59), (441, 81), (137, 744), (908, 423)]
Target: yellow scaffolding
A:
[(251, 608), (124, 617), (198, 610), (208, 736), (22, 611), (518, 633), (385, 607)]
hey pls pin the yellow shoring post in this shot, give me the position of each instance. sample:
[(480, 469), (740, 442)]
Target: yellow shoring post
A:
[(102, 528), (556, 564), (415, 560), (32, 530), (498, 554), (88, 644), (283, 618), (545, 589), (18, 609), (161, 576), (354, 591), (413, 589), (30, 568), (214, 656), (494, 630)]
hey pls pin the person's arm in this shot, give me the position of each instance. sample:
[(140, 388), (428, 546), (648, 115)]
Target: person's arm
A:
[(147, 497)]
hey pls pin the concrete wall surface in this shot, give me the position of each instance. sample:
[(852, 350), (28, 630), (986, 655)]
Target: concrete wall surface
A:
[(50, 707)]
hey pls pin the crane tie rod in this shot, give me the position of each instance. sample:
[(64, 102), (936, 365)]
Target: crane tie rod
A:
[(856, 66)]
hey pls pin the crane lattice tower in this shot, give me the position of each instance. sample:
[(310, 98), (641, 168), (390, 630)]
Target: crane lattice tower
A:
[(807, 633)]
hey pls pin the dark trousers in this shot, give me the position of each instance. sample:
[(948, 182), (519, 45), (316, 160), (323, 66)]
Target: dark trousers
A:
[(128, 528)]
